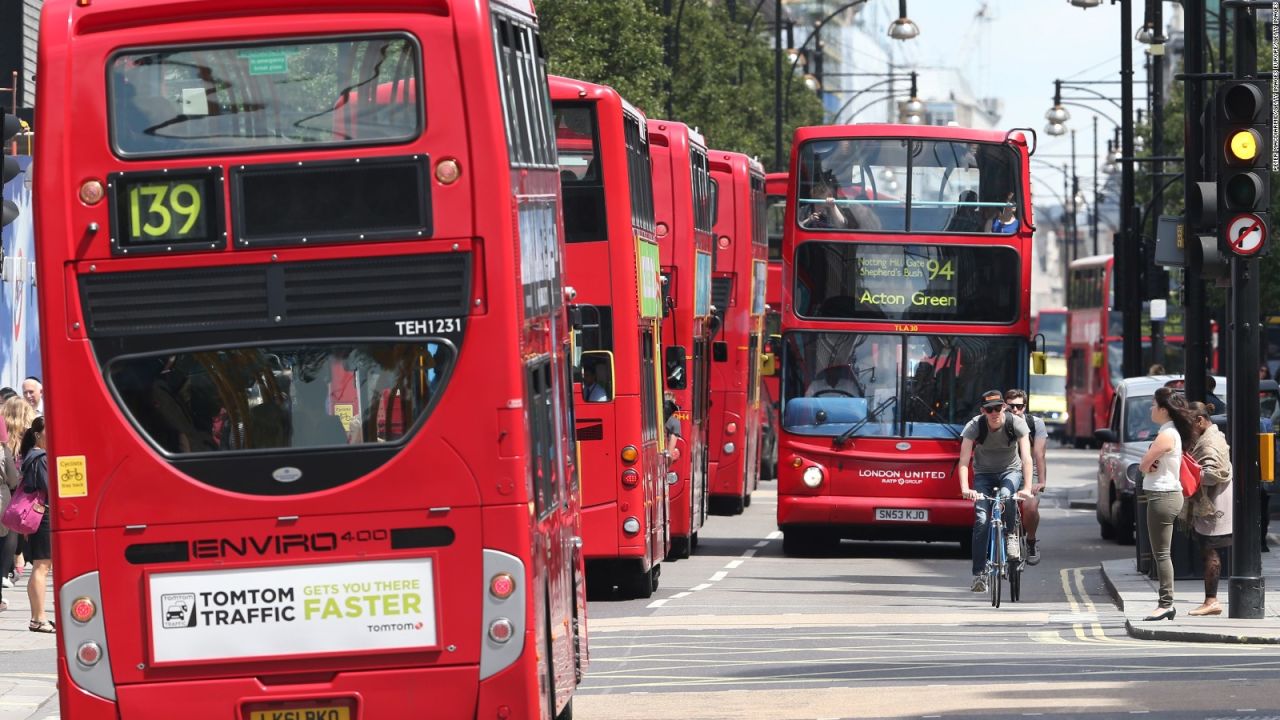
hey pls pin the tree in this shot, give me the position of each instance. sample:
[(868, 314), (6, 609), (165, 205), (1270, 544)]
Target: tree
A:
[(612, 42), (719, 72)]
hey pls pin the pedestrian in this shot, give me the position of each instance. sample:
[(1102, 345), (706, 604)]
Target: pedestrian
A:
[(6, 393), (1208, 511), (1264, 373), (1157, 369), (1017, 401), (33, 393), (9, 479), (18, 416), (1161, 466), (35, 479), (1000, 445)]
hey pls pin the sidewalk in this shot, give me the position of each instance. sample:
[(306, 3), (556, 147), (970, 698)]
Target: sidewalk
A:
[(1136, 595), (23, 693)]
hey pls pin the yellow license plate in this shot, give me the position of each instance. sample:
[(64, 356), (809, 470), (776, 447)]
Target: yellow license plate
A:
[(336, 712)]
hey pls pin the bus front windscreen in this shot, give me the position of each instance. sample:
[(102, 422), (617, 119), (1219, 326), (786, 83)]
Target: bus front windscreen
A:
[(907, 283), (908, 185), (236, 98), (922, 386)]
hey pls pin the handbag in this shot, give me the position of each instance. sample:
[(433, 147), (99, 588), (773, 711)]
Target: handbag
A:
[(25, 512), (1189, 475)]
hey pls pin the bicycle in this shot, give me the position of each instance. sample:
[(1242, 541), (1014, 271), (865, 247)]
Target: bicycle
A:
[(998, 562)]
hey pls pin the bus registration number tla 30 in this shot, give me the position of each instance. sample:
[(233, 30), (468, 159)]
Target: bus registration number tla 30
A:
[(902, 515)]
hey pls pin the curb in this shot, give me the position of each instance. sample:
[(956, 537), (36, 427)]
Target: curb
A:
[(1148, 632)]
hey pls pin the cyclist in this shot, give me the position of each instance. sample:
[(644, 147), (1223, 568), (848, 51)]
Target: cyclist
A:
[(1017, 401), (1003, 451)]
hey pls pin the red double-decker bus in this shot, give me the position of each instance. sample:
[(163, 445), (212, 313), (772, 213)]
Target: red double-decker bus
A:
[(900, 307), (682, 199), (775, 187), (1095, 346), (738, 277), (306, 357), (611, 260)]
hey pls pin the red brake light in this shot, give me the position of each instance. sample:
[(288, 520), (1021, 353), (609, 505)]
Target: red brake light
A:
[(630, 478)]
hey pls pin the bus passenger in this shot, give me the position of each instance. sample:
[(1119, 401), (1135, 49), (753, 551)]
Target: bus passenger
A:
[(967, 217), (1017, 401), (1000, 447), (1006, 223), (827, 214)]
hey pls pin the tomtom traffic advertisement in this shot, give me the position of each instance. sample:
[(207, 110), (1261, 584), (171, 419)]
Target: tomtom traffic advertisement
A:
[(285, 611)]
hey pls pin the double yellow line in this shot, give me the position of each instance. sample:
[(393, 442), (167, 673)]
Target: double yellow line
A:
[(1073, 583)]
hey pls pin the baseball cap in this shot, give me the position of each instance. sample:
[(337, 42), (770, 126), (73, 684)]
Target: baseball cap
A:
[(992, 398)]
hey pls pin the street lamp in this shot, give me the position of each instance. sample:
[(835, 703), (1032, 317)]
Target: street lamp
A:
[(903, 28), (1086, 3), (913, 110), (1145, 35), (1055, 129), (795, 57), (812, 82)]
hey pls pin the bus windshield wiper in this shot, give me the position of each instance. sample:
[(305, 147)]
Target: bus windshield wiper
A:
[(843, 437)]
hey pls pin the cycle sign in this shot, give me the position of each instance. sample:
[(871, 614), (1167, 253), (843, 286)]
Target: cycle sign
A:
[(1246, 234)]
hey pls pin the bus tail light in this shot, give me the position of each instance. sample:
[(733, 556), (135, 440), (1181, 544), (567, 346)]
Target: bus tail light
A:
[(448, 171), (629, 454), (502, 618), (731, 428), (502, 586), (500, 631), (630, 479), (83, 610), (89, 653), (631, 526), (84, 635)]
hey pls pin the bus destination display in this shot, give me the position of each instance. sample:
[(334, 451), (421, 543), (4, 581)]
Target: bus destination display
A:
[(163, 211), (907, 283)]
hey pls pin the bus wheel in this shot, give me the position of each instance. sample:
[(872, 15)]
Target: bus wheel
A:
[(679, 548), (799, 541), (640, 584), (746, 500)]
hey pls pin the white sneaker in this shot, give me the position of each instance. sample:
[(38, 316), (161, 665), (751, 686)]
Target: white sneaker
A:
[(6, 582), (1012, 547), (979, 584)]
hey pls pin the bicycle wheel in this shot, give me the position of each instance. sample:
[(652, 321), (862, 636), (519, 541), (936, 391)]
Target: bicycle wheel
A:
[(995, 562)]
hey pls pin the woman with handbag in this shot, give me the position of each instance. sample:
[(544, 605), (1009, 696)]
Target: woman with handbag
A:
[(1161, 466), (18, 416), (35, 478), (1208, 510)]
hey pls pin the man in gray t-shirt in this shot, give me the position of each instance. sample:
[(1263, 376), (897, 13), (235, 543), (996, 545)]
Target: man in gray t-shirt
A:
[(1003, 455)]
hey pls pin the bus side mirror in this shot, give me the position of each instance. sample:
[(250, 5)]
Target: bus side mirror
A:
[(720, 351), (677, 379), (1038, 363), (768, 366)]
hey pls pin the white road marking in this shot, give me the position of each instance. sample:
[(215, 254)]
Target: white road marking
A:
[(658, 603), (718, 576), (775, 535), (702, 586), (762, 543), (733, 564)]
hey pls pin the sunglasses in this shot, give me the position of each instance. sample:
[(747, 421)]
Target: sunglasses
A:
[(1017, 407), (992, 411)]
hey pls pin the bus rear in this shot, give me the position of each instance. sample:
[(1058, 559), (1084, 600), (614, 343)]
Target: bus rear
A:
[(739, 274), (611, 261), (306, 356), (775, 185), (683, 214), (900, 307)]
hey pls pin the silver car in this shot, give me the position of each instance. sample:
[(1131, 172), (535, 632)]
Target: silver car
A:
[(1124, 441)]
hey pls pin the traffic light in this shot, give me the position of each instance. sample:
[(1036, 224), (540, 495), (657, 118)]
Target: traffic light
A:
[(9, 126), (1242, 130)]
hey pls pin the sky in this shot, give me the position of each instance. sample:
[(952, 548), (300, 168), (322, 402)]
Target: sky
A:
[(1026, 44)]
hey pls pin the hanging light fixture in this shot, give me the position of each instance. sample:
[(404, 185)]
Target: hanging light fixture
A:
[(1055, 129), (903, 28), (1145, 35), (1086, 4)]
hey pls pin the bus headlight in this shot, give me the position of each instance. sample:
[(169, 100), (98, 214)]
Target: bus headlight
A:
[(729, 448), (812, 477)]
